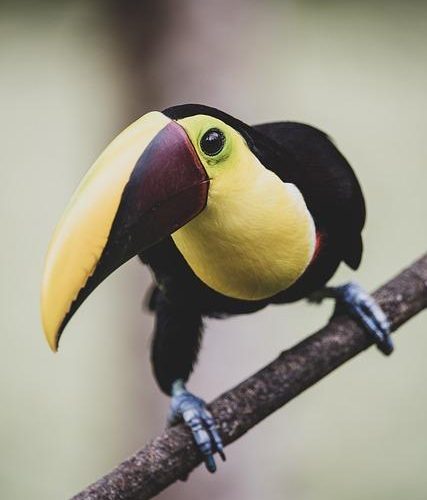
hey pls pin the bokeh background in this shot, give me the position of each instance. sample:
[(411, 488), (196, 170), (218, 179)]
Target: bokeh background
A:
[(73, 74)]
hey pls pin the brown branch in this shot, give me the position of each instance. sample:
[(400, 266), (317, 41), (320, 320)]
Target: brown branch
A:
[(173, 455)]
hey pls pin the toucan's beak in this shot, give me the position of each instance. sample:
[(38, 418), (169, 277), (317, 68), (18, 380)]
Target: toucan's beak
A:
[(148, 183)]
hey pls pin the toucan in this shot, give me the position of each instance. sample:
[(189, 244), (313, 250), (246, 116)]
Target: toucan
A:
[(229, 217)]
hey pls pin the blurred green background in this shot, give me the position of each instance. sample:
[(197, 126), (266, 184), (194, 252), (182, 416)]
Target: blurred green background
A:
[(73, 74)]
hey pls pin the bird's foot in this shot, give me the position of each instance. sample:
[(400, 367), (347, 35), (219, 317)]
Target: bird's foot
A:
[(364, 309), (185, 406)]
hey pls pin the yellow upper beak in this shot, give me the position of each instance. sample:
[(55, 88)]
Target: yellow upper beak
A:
[(83, 230)]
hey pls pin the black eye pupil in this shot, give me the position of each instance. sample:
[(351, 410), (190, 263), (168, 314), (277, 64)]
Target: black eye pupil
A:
[(212, 142)]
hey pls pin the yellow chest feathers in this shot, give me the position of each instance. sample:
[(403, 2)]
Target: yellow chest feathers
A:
[(255, 237)]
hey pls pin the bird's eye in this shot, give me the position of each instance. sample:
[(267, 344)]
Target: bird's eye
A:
[(212, 142)]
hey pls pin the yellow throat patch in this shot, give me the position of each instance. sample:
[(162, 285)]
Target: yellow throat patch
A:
[(256, 236)]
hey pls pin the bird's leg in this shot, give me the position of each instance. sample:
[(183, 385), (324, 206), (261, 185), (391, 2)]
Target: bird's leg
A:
[(193, 410), (363, 308), (176, 342)]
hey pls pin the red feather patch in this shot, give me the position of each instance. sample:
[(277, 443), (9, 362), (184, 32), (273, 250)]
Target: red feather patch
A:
[(320, 237)]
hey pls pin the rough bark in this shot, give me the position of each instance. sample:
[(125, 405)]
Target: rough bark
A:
[(173, 455)]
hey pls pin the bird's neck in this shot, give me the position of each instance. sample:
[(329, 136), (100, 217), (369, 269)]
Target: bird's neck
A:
[(251, 241)]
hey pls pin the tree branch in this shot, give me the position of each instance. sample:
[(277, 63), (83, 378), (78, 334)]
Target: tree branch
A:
[(173, 455)]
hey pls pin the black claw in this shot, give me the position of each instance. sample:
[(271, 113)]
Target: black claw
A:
[(386, 346), (213, 430), (202, 424), (210, 464), (222, 454)]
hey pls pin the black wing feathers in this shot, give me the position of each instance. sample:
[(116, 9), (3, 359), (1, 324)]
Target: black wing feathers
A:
[(326, 180)]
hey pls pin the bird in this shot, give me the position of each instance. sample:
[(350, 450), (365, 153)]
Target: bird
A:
[(229, 217)]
